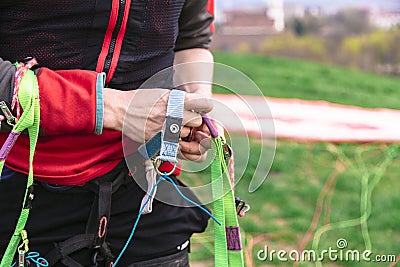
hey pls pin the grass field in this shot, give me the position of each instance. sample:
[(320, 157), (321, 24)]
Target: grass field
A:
[(318, 193)]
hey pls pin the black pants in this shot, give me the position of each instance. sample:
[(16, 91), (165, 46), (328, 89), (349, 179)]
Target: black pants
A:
[(61, 214), (179, 259)]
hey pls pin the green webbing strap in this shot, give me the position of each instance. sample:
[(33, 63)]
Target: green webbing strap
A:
[(220, 246), (28, 96), (228, 247)]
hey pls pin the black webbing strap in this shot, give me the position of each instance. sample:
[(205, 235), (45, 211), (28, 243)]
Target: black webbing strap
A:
[(63, 249), (96, 228), (103, 217)]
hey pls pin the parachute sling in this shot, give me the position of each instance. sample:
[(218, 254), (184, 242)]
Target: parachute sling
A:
[(227, 241), (28, 96)]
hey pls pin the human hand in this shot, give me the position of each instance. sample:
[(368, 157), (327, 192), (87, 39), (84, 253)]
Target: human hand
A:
[(141, 113), (195, 146)]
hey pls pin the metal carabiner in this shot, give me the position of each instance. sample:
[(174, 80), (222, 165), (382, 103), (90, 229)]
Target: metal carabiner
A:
[(241, 207)]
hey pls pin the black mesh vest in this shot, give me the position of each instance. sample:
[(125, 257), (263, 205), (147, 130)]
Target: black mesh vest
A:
[(68, 34)]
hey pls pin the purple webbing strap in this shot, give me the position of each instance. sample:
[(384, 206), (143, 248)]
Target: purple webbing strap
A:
[(8, 144), (234, 243), (213, 131)]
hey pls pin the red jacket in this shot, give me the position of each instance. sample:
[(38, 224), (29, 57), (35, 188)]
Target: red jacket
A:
[(83, 46)]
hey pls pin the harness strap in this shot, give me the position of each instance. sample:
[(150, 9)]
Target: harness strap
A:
[(220, 246), (103, 212), (96, 227), (150, 148), (28, 96), (68, 261), (166, 143), (63, 250), (67, 247), (172, 128), (103, 217), (228, 245), (93, 185), (151, 177)]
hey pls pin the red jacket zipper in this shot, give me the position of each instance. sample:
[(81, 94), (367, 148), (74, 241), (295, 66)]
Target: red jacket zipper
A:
[(111, 49)]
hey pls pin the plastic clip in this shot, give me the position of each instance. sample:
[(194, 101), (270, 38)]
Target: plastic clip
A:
[(241, 207)]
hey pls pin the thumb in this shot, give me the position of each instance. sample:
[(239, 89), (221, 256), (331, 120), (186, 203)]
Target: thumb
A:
[(198, 103)]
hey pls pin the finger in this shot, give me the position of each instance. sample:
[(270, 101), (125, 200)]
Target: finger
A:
[(204, 139), (185, 131), (195, 158), (2, 118), (191, 119), (198, 103), (190, 147), (193, 148), (204, 128)]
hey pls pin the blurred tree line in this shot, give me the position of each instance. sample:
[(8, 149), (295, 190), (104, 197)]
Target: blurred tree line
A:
[(346, 38)]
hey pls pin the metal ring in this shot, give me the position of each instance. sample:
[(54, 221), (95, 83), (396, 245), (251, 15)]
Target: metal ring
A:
[(246, 208), (174, 128), (157, 164)]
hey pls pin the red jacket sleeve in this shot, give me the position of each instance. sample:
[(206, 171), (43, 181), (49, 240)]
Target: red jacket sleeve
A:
[(70, 101)]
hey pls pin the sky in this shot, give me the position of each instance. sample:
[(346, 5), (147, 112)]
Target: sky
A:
[(385, 4)]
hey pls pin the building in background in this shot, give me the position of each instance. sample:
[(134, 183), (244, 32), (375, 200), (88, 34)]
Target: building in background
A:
[(385, 20), (245, 28), (294, 11), (247, 22), (275, 12)]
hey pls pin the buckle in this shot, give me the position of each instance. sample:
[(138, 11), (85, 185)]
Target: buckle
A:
[(241, 207)]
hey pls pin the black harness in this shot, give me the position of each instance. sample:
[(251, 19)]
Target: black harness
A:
[(94, 237)]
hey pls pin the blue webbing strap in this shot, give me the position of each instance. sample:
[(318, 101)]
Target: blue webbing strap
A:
[(149, 149)]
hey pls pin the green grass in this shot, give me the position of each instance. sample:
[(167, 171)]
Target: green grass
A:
[(285, 78), (284, 206)]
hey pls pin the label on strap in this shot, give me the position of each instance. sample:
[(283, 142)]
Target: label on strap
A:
[(172, 127)]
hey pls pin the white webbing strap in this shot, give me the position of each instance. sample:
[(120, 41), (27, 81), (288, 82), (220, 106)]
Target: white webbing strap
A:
[(172, 127), (169, 145)]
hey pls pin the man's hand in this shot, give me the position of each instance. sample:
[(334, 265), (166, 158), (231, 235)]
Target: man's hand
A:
[(196, 147), (141, 113)]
